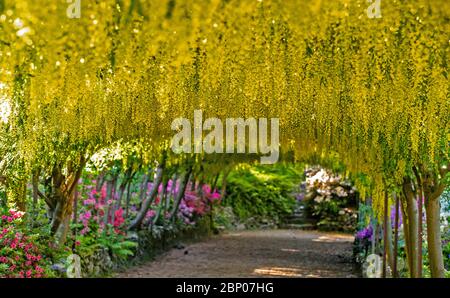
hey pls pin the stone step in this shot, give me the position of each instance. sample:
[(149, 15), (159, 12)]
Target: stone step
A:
[(298, 226), (298, 214), (301, 220)]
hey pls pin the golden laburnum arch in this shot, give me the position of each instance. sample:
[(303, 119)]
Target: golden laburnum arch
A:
[(373, 91)]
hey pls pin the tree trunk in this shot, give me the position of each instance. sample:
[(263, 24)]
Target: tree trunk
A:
[(162, 201), (432, 209), (181, 191), (60, 200), (171, 194), (385, 234), (406, 233), (214, 184), (123, 186), (432, 186), (396, 222), (411, 206), (390, 246), (112, 206), (75, 217), (136, 223), (35, 183), (127, 205), (420, 235)]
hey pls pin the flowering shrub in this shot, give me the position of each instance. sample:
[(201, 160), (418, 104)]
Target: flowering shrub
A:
[(19, 257), (101, 225), (97, 214), (195, 205), (365, 234), (330, 199), (363, 240)]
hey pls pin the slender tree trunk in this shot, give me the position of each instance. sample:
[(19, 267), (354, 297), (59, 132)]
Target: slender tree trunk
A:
[(390, 246), (214, 184), (406, 234), (35, 183), (181, 191), (411, 205), (420, 234), (170, 196), (136, 223), (396, 222), (162, 201), (123, 186), (193, 183), (419, 195), (127, 204), (433, 184), (432, 209), (377, 238), (75, 215), (112, 207), (144, 186), (385, 235)]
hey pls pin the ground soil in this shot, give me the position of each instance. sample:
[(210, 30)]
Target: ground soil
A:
[(261, 253)]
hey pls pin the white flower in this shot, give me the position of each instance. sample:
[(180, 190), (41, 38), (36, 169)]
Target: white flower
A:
[(318, 199)]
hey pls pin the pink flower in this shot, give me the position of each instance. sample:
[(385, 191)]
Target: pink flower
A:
[(89, 202), (39, 269), (84, 230), (118, 218), (85, 216), (150, 213)]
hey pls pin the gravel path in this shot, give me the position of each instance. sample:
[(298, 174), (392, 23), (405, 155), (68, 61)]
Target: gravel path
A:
[(263, 253)]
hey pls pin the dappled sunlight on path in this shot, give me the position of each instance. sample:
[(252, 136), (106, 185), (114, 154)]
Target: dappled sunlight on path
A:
[(262, 253)]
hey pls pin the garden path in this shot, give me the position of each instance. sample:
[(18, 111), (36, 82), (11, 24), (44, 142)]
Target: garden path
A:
[(260, 253)]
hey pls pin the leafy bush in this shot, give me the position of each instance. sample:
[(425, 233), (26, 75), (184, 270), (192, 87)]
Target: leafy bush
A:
[(262, 191), (99, 229)]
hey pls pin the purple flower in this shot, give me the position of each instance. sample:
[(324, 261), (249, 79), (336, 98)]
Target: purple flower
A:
[(365, 233)]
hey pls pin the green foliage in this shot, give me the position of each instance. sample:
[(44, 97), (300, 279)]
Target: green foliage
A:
[(262, 191), (224, 218), (114, 241), (118, 246)]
